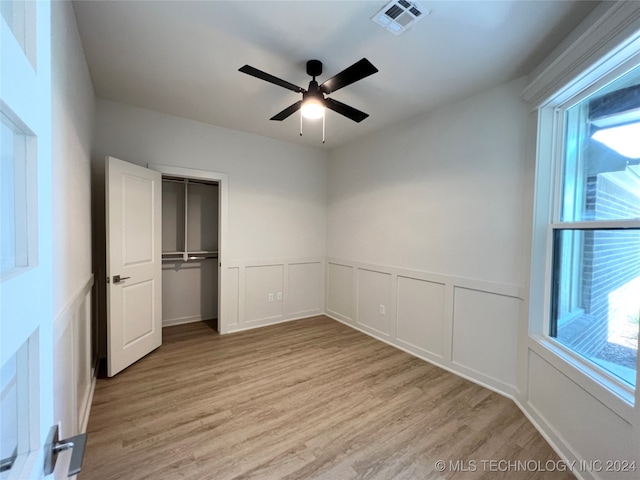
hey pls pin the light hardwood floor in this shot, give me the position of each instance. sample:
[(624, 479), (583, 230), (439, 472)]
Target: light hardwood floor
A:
[(311, 399)]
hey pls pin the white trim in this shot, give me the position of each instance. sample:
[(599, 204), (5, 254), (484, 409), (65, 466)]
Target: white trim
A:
[(608, 31), (596, 382), (466, 373), (223, 224), (547, 206), (66, 313), (267, 262), (504, 289), (245, 327), (285, 314), (450, 283), (171, 322), (553, 438), (86, 408), (597, 224)]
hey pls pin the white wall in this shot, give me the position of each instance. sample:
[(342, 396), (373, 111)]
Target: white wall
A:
[(276, 200), (72, 114), (426, 219)]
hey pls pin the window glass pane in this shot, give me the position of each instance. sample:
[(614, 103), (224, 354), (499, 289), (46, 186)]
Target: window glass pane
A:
[(601, 175), (13, 197), (20, 16), (596, 297)]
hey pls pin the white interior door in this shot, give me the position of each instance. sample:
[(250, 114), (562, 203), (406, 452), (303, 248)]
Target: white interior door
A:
[(26, 277), (134, 263)]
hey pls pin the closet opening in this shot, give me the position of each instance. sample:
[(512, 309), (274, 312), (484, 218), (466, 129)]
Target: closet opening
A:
[(190, 250)]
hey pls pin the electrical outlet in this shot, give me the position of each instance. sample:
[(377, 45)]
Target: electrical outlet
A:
[(270, 297), (279, 296), (382, 309)]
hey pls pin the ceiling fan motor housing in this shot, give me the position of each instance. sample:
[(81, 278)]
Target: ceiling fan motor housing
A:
[(313, 91), (314, 68)]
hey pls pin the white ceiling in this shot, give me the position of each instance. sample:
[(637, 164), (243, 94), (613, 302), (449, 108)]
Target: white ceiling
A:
[(182, 57)]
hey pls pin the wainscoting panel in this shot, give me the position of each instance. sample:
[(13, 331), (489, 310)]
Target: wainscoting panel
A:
[(485, 333), (263, 283), (340, 292), (374, 301), (74, 373), (446, 320), (421, 314), (305, 288), (231, 302), (296, 286), (583, 419)]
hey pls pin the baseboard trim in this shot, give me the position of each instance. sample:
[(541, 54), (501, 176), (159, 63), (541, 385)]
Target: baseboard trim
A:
[(564, 451), (509, 395), (183, 320), (246, 327), (86, 408)]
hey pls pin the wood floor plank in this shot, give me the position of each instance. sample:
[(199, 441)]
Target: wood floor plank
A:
[(311, 399)]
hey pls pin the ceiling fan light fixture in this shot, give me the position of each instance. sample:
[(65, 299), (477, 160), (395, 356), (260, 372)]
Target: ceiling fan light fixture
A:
[(313, 108)]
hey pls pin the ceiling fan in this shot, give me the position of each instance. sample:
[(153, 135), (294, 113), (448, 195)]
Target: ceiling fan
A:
[(313, 101)]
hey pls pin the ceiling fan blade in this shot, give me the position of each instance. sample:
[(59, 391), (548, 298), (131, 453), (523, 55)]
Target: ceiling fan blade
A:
[(270, 78), (349, 75), (343, 109), (287, 111)]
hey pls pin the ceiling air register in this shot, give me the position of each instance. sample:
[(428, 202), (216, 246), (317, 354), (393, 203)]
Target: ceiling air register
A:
[(399, 15)]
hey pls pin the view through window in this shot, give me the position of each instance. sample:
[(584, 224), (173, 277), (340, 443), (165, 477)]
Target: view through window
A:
[(596, 253)]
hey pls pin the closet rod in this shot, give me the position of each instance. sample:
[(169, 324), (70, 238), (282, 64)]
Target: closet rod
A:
[(190, 257), (172, 180), (202, 257), (189, 180)]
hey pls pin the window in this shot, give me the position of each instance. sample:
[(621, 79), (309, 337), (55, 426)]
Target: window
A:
[(20, 17), (14, 198), (595, 291)]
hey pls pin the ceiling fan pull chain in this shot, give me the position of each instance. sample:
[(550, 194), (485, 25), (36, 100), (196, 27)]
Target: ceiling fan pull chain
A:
[(323, 117), (300, 122)]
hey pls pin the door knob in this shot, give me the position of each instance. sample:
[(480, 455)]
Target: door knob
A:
[(118, 278)]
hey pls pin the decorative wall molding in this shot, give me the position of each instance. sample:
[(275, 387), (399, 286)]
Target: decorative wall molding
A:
[(251, 296), (63, 318), (423, 317), (75, 375), (611, 27)]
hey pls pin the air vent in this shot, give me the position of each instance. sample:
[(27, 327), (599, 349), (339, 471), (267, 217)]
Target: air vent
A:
[(399, 15)]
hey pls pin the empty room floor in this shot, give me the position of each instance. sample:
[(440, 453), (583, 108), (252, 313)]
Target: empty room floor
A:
[(310, 399)]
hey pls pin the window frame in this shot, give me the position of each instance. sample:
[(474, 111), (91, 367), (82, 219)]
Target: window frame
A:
[(548, 191)]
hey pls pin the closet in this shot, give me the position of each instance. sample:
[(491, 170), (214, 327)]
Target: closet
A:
[(190, 231)]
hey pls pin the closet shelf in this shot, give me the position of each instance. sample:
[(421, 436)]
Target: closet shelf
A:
[(188, 256)]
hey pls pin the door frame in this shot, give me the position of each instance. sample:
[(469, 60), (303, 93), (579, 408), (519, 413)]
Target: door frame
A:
[(223, 222)]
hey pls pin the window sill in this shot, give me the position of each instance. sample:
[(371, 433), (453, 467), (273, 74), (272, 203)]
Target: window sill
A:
[(613, 394)]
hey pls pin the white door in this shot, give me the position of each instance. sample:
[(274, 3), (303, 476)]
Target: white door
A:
[(26, 277), (134, 263)]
